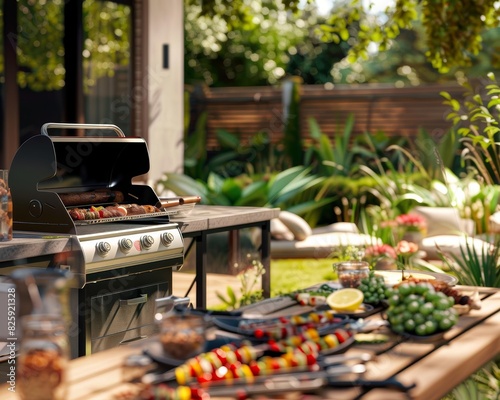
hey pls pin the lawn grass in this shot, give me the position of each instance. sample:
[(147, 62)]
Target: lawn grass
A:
[(288, 275)]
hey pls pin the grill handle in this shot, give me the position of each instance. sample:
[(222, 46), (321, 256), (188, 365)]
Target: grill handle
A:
[(57, 125), (163, 305), (143, 298)]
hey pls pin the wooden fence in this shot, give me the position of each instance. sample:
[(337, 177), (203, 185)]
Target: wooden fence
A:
[(394, 111)]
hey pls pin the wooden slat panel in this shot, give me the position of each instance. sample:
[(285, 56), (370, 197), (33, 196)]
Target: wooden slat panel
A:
[(395, 111)]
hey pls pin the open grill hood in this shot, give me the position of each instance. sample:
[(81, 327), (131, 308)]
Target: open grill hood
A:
[(46, 166), (49, 173)]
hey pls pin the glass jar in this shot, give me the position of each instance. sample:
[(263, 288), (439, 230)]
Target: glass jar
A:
[(183, 335), (43, 358), (5, 207), (350, 273)]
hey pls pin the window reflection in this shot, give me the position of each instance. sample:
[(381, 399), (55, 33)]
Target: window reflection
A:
[(107, 73), (40, 58), (41, 75)]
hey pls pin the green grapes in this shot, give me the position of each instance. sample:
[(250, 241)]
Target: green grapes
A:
[(417, 308), (373, 288)]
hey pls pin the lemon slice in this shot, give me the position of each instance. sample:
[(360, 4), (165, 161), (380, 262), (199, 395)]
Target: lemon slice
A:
[(348, 299)]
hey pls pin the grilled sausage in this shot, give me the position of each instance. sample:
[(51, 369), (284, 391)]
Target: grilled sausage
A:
[(117, 210), (93, 197)]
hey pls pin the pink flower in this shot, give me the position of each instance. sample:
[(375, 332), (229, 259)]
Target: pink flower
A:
[(380, 250), (411, 220), (404, 248)]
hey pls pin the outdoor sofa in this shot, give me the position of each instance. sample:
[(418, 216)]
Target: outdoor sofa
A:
[(292, 237)]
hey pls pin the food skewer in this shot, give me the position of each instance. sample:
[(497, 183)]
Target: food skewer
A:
[(247, 360), (338, 376)]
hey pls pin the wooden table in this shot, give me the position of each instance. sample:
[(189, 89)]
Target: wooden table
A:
[(434, 367), (205, 220)]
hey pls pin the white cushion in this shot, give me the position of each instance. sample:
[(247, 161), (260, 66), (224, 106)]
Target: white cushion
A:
[(320, 245), (494, 221), (279, 230), (297, 225), (444, 221), (452, 244), (337, 227)]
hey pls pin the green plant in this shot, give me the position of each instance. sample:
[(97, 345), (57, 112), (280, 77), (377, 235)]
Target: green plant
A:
[(294, 189), (235, 158), (292, 139), (475, 268), (249, 277), (479, 202), (437, 154), (373, 146), (195, 150), (453, 29), (482, 385), (488, 380), (477, 121), (332, 158)]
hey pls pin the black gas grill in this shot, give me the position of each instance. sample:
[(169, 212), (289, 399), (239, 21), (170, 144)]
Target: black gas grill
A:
[(123, 245)]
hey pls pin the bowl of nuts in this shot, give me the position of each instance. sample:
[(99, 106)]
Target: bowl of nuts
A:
[(183, 335)]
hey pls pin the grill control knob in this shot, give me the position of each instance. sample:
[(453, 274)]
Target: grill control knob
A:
[(167, 238), (125, 245), (103, 248), (147, 241)]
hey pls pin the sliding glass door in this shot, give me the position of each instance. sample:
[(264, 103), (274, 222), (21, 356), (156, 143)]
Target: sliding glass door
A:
[(64, 61)]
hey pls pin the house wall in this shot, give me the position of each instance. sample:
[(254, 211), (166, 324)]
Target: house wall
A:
[(166, 87)]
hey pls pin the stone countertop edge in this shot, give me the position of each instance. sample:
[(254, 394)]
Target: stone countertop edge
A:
[(25, 247), (212, 217)]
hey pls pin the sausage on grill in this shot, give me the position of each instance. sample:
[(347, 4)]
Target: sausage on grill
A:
[(93, 197), (117, 210)]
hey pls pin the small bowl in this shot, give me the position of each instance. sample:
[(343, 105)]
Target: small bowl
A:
[(350, 273), (183, 336)]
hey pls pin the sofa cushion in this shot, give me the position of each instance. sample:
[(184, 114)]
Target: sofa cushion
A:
[(337, 227), (319, 245), (444, 221), (279, 231), (297, 225), (452, 244)]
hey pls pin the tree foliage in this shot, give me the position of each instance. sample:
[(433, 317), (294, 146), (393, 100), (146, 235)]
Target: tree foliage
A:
[(108, 27), (255, 42), (242, 43), (452, 28), (40, 48)]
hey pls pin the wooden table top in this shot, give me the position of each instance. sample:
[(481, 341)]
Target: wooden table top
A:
[(435, 368)]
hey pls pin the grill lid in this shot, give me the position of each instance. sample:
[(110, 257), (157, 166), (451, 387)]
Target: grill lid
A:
[(46, 166)]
